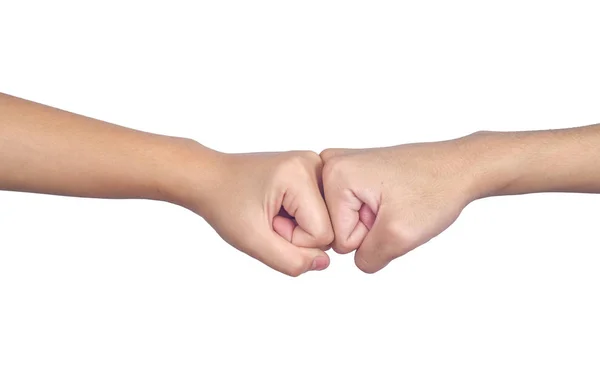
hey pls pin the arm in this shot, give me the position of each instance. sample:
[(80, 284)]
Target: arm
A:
[(245, 197), (47, 150), (385, 202), (510, 163)]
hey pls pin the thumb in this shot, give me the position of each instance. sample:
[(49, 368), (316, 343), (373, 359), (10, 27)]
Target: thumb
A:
[(279, 254), (385, 241)]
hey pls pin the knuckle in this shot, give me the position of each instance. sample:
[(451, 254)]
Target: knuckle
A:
[(392, 229), (301, 163), (397, 231), (329, 236), (332, 167), (296, 267), (306, 158), (341, 249), (402, 238), (365, 265), (327, 154), (371, 262), (324, 237), (343, 246), (310, 156)]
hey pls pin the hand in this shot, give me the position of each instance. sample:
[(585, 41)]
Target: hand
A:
[(269, 205), (385, 202)]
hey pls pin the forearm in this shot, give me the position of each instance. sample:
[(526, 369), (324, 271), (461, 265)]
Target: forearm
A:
[(46, 150), (506, 163)]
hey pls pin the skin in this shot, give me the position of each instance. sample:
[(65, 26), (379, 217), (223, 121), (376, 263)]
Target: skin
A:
[(385, 202), (249, 199), (381, 202)]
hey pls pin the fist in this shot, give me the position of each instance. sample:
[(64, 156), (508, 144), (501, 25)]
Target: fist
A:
[(385, 202), (269, 206)]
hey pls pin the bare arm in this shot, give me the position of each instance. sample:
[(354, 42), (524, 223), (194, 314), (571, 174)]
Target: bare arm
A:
[(565, 160), (46, 150)]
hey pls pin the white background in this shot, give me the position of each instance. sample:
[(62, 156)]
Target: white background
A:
[(132, 292)]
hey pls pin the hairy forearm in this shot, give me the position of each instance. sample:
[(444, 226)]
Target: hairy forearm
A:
[(46, 150), (507, 163)]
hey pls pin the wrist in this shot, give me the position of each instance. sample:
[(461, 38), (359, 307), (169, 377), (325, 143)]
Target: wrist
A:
[(494, 162), (191, 173)]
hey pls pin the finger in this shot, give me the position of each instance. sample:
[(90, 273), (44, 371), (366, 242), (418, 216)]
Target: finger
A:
[(344, 209), (281, 255), (305, 203), (385, 241), (285, 226), (367, 216)]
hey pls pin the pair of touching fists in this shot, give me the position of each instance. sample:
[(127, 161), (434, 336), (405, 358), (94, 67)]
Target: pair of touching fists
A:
[(286, 209)]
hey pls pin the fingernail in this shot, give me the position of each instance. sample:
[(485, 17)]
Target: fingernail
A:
[(314, 264), (319, 263)]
